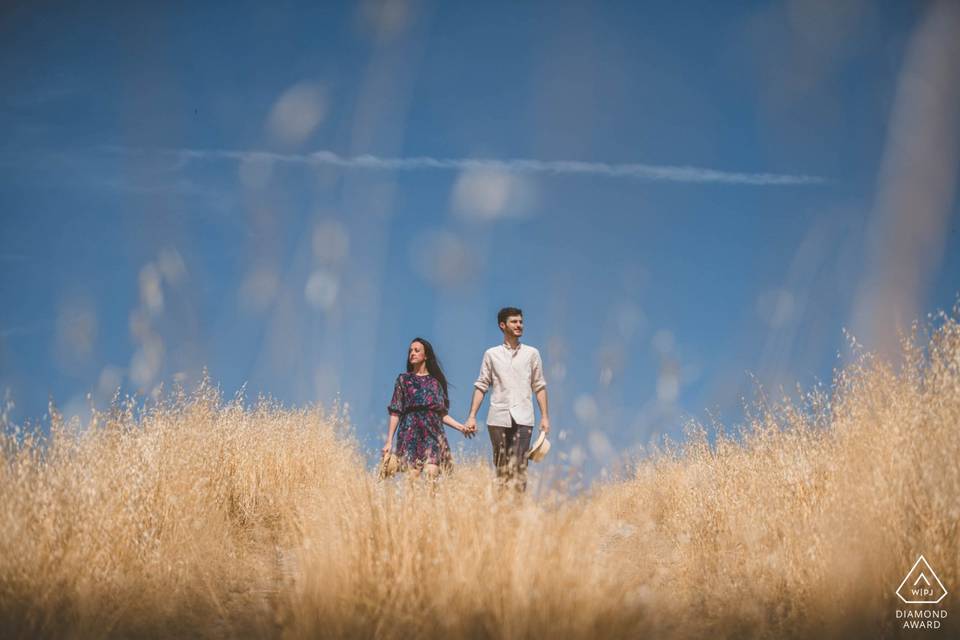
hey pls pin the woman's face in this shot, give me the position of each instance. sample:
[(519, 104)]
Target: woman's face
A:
[(417, 354)]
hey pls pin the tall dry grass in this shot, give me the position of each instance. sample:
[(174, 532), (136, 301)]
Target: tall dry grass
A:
[(197, 517)]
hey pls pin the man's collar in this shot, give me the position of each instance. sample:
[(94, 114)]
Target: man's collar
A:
[(509, 348)]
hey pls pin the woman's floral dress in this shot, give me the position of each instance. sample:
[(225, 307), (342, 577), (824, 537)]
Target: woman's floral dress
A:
[(421, 404)]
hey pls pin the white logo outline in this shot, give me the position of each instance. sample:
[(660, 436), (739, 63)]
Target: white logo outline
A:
[(935, 577)]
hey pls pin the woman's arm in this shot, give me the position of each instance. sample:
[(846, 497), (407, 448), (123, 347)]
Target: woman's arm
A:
[(396, 406), (391, 429), (451, 422)]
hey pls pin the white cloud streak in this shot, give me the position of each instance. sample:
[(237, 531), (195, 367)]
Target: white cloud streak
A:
[(662, 173)]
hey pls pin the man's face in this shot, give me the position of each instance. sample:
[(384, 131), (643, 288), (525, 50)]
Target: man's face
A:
[(513, 326)]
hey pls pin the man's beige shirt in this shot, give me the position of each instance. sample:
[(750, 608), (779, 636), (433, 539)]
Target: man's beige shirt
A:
[(514, 374)]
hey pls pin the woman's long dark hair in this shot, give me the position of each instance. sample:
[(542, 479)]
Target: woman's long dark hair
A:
[(433, 367)]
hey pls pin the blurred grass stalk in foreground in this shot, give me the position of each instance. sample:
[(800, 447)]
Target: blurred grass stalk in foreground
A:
[(204, 518)]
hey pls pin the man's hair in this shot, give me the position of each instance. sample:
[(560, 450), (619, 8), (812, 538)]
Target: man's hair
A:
[(506, 312)]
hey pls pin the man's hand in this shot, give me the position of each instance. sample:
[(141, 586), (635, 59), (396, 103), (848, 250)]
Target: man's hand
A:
[(545, 424), (464, 429), (470, 425)]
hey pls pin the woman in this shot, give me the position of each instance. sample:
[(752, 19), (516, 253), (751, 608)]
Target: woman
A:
[(418, 411)]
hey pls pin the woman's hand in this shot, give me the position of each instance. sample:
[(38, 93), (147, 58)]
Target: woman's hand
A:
[(386, 449)]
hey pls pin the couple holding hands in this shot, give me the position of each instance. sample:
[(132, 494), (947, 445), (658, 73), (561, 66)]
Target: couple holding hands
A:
[(420, 403)]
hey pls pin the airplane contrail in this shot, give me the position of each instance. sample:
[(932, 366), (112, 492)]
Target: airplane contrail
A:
[(668, 173)]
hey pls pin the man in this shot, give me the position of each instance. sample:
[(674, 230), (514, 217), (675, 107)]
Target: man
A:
[(514, 371)]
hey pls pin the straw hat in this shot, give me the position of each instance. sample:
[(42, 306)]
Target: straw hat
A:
[(540, 448), (389, 466)]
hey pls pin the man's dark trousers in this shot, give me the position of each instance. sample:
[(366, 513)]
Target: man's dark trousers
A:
[(510, 446)]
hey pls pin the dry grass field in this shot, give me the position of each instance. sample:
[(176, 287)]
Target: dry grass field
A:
[(204, 518)]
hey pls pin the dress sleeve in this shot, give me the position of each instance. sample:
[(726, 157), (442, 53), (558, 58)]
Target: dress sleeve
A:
[(446, 401), (397, 401)]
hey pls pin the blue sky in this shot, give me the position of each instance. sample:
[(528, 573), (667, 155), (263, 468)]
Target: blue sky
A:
[(681, 199)]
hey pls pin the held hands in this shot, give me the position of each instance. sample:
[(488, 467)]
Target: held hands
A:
[(470, 427), (467, 430)]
